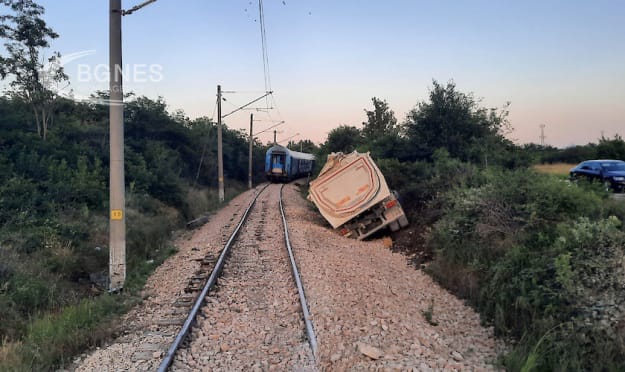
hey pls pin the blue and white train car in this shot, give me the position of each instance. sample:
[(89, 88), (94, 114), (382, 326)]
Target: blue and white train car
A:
[(283, 165)]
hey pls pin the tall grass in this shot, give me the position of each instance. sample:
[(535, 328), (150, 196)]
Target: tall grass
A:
[(53, 339), (10, 358), (50, 339), (558, 169)]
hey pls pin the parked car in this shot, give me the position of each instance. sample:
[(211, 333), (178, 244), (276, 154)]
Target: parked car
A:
[(610, 172)]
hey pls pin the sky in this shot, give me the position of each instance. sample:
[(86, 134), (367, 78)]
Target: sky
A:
[(558, 63)]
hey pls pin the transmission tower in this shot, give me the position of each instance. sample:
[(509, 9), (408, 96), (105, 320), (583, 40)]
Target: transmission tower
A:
[(542, 135)]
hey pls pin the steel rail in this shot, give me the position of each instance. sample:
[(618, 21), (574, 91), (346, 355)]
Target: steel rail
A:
[(169, 357), (300, 289)]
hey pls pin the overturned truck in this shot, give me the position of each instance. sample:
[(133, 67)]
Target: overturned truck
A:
[(351, 194)]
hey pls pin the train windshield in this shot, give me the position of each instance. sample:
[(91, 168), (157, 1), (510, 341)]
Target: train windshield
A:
[(277, 160)]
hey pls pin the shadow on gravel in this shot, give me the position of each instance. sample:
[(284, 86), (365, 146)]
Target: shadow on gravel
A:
[(410, 241)]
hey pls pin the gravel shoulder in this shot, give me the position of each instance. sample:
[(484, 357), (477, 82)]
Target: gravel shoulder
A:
[(369, 305), (150, 327)]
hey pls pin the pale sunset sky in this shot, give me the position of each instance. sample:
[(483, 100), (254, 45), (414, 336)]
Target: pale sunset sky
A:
[(559, 63)]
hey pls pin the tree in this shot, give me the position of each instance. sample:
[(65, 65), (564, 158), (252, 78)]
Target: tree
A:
[(306, 146), (611, 148), (455, 121), (26, 35), (381, 121), (343, 139)]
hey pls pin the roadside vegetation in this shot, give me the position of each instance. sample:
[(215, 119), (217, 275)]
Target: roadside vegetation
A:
[(540, 258), (54, 157), (54, 208)]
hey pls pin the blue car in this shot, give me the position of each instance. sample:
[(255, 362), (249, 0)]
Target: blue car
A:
[(610, 172)]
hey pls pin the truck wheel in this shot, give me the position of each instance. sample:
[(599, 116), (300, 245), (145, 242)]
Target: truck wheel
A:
[(403, 221), (394, 226)]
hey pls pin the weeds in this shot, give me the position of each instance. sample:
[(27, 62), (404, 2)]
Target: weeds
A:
[(52, 340), (428, 314), (546, 262), (10, 357)]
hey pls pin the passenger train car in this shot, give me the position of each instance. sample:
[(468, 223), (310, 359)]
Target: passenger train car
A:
[(283, 165)]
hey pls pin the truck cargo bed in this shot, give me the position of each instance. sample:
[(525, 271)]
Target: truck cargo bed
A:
[(351, 192)]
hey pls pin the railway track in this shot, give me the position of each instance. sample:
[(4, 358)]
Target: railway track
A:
[(255, 317), (368, 304)]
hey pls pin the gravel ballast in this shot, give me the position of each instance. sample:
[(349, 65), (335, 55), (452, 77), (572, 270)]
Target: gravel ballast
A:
[(370, 309), (369, 306)]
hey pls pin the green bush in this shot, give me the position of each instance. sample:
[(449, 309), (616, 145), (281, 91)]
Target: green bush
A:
[(138, 176), (13, 323), (29, 293), (54, 209), (542, 260), (421, 183), (18, 196), (411, 180)]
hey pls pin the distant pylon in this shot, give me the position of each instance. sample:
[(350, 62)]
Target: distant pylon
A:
[(542, 135)]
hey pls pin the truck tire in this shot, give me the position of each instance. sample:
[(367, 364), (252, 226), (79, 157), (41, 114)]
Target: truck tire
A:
[(394, 226), (403, 221)]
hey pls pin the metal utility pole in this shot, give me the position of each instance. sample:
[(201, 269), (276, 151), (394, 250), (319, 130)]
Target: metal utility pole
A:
[(220, 150), (249, 172), (117, 227), (274, 136), (219, 145)]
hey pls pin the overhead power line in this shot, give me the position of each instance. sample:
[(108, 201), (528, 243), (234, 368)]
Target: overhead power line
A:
[(263, 35), (247, 104)]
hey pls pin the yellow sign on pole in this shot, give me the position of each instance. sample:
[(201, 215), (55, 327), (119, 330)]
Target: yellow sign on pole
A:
[(117, 214)]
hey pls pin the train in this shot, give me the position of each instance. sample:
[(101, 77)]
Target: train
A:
[(284, 165)]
